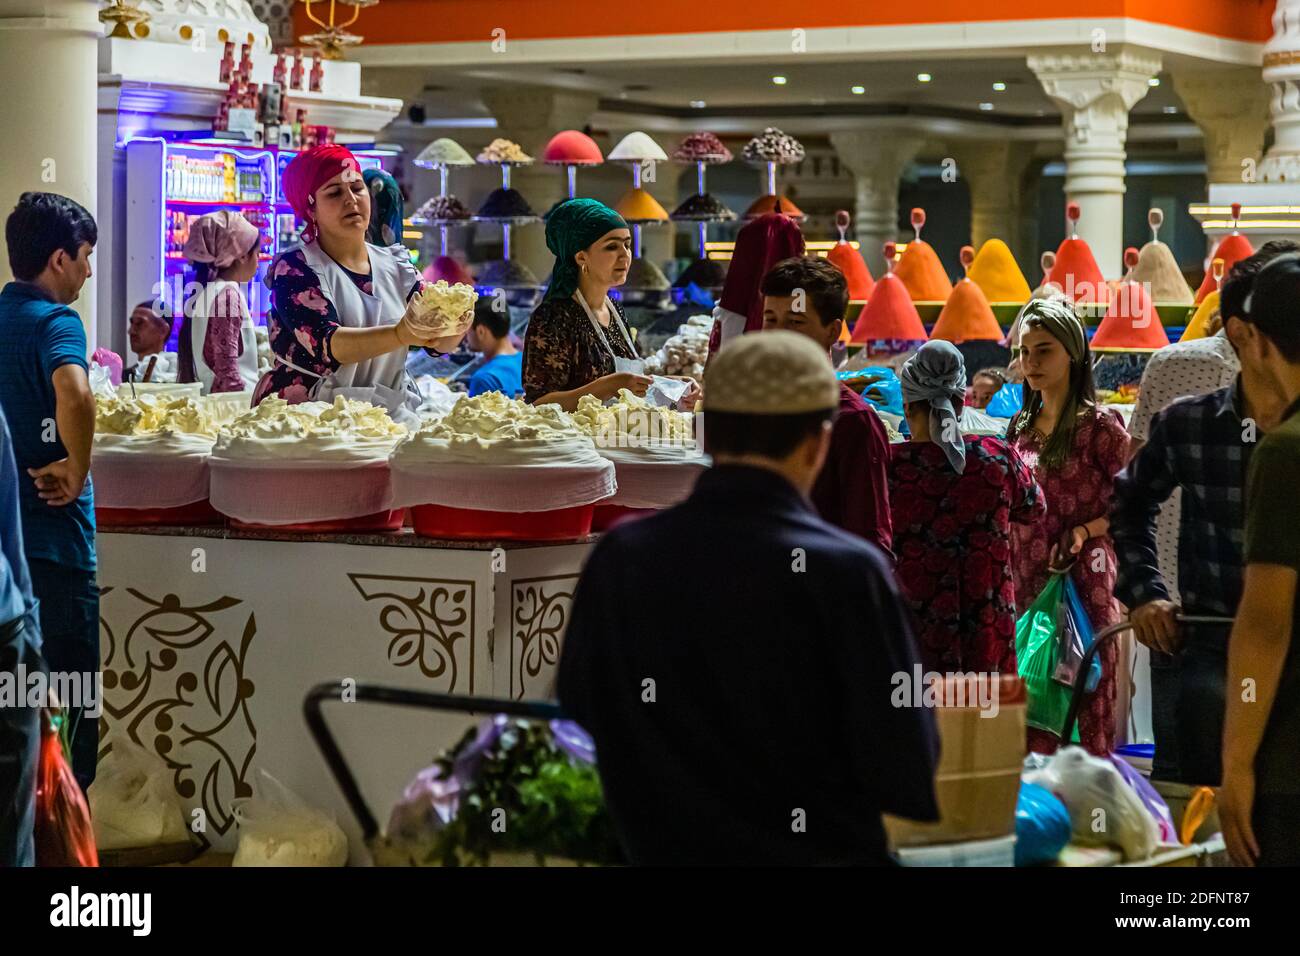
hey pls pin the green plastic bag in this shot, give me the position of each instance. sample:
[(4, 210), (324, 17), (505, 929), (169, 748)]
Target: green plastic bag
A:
[(1037, 655)]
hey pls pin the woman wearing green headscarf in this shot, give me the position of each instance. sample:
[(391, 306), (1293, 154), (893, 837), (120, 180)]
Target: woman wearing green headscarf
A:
[(385, 208), (578, 342), (1075, 448)]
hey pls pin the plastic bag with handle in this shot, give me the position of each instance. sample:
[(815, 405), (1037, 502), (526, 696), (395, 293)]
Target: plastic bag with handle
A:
[(279, 828), (133, 802), (63, 832)]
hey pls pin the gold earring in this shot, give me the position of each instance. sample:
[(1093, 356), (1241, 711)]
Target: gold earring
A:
[(584, 268)]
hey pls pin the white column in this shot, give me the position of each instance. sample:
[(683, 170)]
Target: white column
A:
[(877, 158), (531, 117), (1282, 74), (48, 75), (1095, 93), (1231, 108)]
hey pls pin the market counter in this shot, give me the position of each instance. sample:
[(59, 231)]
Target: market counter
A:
[(211, 638)]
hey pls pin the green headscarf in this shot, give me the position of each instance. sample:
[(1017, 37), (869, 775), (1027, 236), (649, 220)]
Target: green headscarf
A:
[(1057, 316), (572, 226), (385, 208)]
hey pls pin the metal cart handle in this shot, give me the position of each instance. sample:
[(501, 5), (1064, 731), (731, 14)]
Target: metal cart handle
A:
[(1081, 679), (379, 694)]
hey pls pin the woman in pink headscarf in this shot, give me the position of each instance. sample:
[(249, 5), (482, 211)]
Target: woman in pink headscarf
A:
[(759, 246), (339, 322), (217, 346)]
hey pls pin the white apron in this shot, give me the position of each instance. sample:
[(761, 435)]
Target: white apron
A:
[(381, 380), (203, 307), (635, 366)]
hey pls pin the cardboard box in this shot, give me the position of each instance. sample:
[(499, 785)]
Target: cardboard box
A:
[(978, 778)]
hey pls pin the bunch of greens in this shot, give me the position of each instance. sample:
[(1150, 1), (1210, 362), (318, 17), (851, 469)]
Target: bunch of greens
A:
[(527, 794)]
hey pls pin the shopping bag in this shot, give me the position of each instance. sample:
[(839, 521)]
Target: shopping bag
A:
[(1037, 650), (1075, 637), (63, 832)]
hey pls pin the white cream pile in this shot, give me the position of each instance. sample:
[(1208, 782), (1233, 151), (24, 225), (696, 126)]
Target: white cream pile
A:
[(440, 308), (632, 422), (346, 430), (152, 416), (493, 429), (686, 352)]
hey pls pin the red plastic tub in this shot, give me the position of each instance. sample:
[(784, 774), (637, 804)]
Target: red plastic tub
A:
[(562, 524), (197, 513), (607, 516), (378, 522)]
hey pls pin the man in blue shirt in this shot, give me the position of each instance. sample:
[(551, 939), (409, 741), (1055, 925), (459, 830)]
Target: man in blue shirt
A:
[(45, 395), (503, 370), (20, 643)]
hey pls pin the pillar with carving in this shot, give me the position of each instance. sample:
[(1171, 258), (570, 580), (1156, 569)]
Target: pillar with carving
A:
[(1282, 74), (1231, 108), (1095, 92), (877, 158), (993, 171)]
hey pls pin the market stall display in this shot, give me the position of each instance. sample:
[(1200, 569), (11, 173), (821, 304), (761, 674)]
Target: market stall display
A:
[(1199, 326), (312, 466), (654, 450), (919, 268), (151, 460), (1075, 270), (507, 207), (503, 151), (772, 203), (1130, 324), (1231, 249), (645, 281), (1157, 268), (685, 352), (497, 467), (889, 322), (996, 273), (967, 316), (844, 257), (572, 148), (703, 149)]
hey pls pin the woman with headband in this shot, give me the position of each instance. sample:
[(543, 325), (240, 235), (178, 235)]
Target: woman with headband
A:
[(953, 499), (339, 324), (1075, 449)]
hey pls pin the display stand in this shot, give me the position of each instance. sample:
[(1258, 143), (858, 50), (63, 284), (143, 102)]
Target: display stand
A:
[(507, 223), (443, 225)]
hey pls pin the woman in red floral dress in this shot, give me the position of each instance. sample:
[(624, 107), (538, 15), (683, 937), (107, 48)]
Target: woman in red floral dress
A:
[(952, 514), (1075, 449)]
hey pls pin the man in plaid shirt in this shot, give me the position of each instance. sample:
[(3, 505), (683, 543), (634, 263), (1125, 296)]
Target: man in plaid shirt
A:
[(1201, 445)]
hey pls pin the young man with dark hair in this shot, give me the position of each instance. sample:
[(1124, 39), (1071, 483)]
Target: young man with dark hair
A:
[(700, 706), (808, 295), (503, 369), (45, 394), (1259, 803), (1200, 448)]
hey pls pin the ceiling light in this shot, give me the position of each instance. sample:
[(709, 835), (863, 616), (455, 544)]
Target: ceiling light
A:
[(1171, 109), (858, 90), (986, 106), (923, 77), (779, 80), (1154, 81), (999, 87), (698, 104)]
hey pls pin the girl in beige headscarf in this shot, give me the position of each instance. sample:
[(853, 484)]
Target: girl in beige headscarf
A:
[(217, 345)]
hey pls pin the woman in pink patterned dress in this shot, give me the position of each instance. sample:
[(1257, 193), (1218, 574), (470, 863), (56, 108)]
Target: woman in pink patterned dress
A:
[(1075, 449)]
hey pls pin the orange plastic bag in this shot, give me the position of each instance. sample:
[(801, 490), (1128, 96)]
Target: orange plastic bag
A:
[(64, 835)]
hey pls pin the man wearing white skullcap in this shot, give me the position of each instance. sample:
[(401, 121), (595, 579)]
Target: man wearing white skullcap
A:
[(780, 646)]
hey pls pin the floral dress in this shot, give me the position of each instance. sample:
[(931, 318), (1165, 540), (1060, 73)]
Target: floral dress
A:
[(562, 351), (952, 538), (1078, 492), (299, 327)]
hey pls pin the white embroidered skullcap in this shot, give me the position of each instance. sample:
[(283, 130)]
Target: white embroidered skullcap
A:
[(770, 373)]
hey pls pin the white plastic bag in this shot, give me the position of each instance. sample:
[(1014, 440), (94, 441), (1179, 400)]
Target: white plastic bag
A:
[(133, 802), (279, 828), (1104, 810)]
